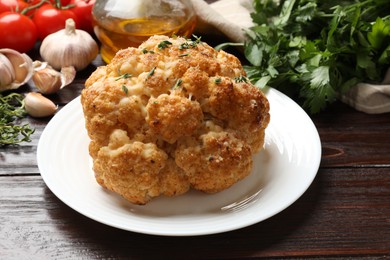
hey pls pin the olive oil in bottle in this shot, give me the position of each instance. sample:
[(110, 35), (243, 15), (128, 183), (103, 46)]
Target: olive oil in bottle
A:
[(119, 24)]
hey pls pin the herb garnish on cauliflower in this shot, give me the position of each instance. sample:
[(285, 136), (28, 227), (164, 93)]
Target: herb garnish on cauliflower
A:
[(171, 115)]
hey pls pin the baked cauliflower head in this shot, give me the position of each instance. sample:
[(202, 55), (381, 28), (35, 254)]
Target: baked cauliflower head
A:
[(171, 115)]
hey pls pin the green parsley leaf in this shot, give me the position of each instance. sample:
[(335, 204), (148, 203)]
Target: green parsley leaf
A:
[(379, 34), (319, 77), (313, 49)]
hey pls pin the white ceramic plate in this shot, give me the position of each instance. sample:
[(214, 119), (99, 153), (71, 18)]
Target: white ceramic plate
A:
[(282, 172)]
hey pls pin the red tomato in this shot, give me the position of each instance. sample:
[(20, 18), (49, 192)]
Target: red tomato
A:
[(49, 19), (63, 2), (17, 32), (83, 10), (12, 5), (54, 2)]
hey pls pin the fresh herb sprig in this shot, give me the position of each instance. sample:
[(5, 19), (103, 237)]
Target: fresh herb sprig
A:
[(151, 72), (164, 44), (123, 76), (11, 109), (177, 84), (190, 44), (314, 50)]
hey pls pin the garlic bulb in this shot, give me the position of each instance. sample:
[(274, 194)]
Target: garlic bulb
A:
[(69, 47), (15, 69), (48, 80), (39, 106)]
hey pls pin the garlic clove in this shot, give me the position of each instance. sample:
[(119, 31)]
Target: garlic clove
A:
[(38, 65), (67, 75), (47, 80), (7, 74), (22, 66), (39, 106)]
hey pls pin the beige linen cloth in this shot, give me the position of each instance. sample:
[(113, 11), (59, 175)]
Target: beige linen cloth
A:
[(231, 17)]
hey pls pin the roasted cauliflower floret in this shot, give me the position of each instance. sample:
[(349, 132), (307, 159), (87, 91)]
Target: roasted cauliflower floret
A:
[(171, 115), (214, 161), (130, 168)]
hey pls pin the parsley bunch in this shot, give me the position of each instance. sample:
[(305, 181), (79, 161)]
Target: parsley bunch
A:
[(12, 108), (314, 50)]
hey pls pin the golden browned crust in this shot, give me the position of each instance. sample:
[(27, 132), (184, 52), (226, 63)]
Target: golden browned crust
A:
[(170, 115)]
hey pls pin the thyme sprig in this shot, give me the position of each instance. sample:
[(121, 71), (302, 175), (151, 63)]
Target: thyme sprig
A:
[(189, 44), (11, 109), (177, 84), (241, 79), (151, 72), (125, 89), (145, 51), (164, 44), (123, 76)]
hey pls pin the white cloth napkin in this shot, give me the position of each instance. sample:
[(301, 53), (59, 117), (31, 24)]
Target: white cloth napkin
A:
[(227, 17), (231, 17), (369, 98)]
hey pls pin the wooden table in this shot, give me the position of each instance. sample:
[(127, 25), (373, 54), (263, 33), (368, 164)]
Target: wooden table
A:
[(344, 213)]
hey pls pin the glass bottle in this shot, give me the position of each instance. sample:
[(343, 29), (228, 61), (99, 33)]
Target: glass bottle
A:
[(119, 24)]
